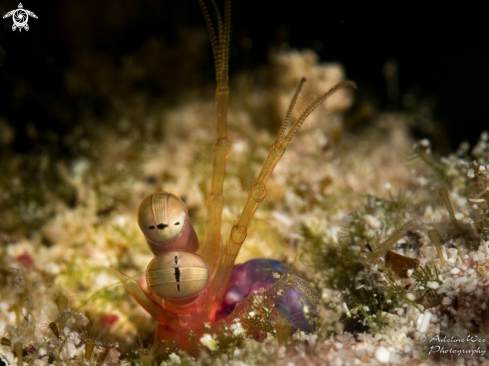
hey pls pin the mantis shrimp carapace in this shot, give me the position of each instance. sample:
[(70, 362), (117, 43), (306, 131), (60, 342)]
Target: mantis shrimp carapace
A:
[(192, 287)]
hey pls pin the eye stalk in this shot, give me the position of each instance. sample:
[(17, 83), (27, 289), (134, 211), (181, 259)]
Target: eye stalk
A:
[(177, 276), (164, 221)]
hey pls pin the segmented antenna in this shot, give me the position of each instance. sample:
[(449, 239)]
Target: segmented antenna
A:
[(219, 42), (316, 102), (220, 47), (291, 108)]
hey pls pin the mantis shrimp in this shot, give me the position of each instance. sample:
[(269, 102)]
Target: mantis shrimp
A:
[(192, 286)]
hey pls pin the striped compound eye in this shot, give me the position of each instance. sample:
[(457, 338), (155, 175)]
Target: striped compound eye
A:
[(164, 221), (162, 216), (177, 276)]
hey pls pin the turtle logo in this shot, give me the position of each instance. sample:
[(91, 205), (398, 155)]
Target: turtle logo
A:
[(20, 17)]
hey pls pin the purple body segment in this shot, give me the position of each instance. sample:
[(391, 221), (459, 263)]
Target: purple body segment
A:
[(255, 275)]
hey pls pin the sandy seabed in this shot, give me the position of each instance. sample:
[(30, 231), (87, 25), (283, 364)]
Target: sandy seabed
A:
[(337, 195)]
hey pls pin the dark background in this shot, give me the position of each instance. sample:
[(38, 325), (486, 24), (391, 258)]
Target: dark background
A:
[(440, 52)]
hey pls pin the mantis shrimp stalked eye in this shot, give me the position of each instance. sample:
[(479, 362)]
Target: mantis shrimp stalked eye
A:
[(164, 221), (177, 276), (192, 286)]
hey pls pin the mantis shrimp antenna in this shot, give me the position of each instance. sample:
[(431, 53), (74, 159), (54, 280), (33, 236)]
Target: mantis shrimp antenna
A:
[(258, 192), (220, 47)]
